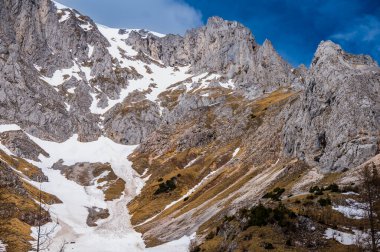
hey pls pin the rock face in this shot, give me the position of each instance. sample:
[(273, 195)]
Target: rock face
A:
[(21, 145), (336, 122), (132, 121), (224, 47)]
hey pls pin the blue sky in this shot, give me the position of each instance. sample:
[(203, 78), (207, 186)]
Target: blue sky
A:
[(295, 27)]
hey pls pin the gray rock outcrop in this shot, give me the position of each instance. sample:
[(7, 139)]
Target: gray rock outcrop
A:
[(336, 122)]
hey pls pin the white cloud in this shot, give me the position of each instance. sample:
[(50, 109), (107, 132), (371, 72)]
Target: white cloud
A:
[(164, 16), (361, 35), (364, 29)]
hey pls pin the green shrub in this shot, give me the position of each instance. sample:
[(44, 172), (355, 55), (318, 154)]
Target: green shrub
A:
[(268, 245), (167, 186), (259, 215), (310, 197), (350, 188), (275, 194), (324, 202), (316, 190), (282, 215), (288, 242), (210, 236), (229, 218), (333, 188), (196, 249)]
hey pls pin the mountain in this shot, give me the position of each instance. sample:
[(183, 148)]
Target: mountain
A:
[(138, 141)]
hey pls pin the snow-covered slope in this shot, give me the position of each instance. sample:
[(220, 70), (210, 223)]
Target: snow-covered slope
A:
[(114, 233)]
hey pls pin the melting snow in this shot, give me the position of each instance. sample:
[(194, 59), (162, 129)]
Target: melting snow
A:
[(3, 247), (37, 67), (65, 14), (67, 106), (9, 127), (162, 77), (113, 234), (60, 75), (71, 90), (350, 193), (235, 152), (343, 237), (203, 81), (181, 244), (87, 72), (86, 26), (90, 50), (191, 163), (354, 210)]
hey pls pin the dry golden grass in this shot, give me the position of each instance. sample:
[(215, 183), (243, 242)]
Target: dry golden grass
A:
[(214, 155), (169, 98), (253, 238), (16, 234), (114, 186), (114, 190), (17, 208), (325, 215), (13, 231), (147, 204), (26, 168)]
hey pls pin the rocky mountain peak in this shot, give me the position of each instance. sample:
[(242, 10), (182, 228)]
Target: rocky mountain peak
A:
[(218, 23), (331, 53)]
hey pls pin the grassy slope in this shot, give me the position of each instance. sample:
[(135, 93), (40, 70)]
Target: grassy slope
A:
[(18, 208)]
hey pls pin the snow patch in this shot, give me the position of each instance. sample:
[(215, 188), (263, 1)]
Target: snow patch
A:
[(65, 14), (235, 152), (71, 90), (115, 232), (181, 244), (37, 67), (61, 75), (191, 162), (350, 193), (9, 127), (3, 246), (343, 237), (90, 50), (112, 234), (354, 209), (87, 72), (86, 26), (154, 82), (67, 106)]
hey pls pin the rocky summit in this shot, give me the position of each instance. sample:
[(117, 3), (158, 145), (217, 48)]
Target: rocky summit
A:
[(130, 140)]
